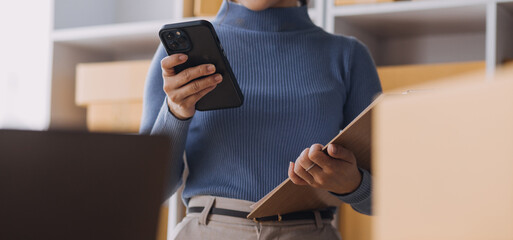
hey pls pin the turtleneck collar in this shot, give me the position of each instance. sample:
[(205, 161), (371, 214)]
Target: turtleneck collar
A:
[(268, 20)]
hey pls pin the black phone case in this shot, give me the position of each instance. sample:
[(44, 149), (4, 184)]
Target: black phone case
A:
[(206, 48)]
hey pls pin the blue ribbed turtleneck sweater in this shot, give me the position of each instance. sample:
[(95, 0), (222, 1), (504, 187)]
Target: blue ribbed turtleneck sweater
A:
[(301, 86)]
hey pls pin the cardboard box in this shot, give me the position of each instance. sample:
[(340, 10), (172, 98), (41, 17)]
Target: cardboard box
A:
[(443, 163), (354, 225), (110, 82), (114, 117), (162, 228), (113, 94), (349, 2), (188, 8), (203, 8), (407, 77)]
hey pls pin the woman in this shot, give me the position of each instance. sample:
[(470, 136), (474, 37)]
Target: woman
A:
[(301, 86)]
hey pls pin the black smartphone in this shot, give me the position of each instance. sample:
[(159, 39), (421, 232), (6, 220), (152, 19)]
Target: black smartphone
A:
[(199, 41)]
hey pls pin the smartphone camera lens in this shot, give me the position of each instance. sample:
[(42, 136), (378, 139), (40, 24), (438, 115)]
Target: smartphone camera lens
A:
[(177, 40), (181, 40), (173, 45)]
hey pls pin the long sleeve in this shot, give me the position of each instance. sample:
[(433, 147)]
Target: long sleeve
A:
[(363, 85), (361, 199), (157, 120)]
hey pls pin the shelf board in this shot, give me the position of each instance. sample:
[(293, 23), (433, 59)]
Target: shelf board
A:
[(416, 18), (115, 38), (403, 6)]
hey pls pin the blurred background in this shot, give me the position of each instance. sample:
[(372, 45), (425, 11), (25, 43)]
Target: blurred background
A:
[(46, 41), (25, 62), (81, 64)]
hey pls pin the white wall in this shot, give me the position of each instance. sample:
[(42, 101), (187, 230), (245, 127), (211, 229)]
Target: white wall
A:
[(24, 63)]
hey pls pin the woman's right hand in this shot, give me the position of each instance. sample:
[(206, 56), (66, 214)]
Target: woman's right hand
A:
[(182, 94)]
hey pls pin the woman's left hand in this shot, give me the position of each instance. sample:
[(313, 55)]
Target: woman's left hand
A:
[(337, 172)]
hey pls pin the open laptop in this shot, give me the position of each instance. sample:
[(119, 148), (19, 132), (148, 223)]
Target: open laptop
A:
[(69, 185)]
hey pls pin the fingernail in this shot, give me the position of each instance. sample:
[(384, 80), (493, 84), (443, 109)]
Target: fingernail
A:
[(182, 57), (218, 78), (333, 148), (211, 68)]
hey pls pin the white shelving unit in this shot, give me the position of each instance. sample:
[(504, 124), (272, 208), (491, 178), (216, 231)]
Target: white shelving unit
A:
[(426, 31), (100, 30), (429, 31)]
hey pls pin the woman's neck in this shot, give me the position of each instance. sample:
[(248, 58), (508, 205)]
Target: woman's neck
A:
[(269, 20)]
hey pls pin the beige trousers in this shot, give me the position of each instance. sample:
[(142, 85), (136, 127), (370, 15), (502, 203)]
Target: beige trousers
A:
[(207, 226)]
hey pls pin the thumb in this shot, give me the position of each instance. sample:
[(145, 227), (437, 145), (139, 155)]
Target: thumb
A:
[(340, 152)]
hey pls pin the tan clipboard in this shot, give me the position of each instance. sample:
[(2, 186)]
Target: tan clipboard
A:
[(289, 197)]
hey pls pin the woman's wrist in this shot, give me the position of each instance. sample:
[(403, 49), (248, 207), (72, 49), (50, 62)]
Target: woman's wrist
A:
[(177, 116), (356, 185)]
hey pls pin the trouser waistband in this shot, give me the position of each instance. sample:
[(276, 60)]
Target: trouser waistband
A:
[(209, 205)]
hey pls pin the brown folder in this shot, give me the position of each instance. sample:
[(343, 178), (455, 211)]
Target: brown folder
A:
[(289, 197)]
